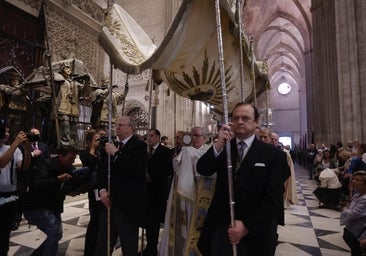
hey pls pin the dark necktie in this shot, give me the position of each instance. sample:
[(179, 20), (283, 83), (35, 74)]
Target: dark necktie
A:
[(241, 147), (151, 151), (34, 145), (120, 145)]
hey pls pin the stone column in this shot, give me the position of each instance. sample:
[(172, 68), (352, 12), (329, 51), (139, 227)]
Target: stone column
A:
[(351, 32), (324, 98), (339, 70)]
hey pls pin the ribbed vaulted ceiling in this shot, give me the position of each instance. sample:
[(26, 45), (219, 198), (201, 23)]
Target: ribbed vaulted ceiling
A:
[(282, 35)]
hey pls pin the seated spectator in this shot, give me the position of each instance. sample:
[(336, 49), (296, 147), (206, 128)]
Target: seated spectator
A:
[(363, 153), (344, 157), (357, 162), (326, 162), (329, 190), (353, 216), (344, 160), (349, 145), (318, 158)]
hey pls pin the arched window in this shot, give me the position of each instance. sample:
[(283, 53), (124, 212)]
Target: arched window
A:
[(141, 120)]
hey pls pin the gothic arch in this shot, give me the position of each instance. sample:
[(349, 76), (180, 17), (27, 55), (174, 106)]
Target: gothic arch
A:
[(139, 113)]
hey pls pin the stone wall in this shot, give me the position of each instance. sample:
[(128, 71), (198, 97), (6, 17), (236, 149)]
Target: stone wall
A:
[(338, 71), (351, 54), (324, 97)]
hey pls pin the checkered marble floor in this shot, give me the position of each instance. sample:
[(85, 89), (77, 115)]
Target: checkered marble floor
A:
[(309, 231)]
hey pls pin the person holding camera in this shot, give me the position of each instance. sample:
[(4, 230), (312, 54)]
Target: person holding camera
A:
[(91, 158), (43, 203), (39, 149), (11, 161)]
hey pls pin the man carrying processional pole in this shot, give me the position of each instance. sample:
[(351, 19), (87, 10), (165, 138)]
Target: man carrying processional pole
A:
[(249, 175), (201, 82), (122, 190), (122, 187)]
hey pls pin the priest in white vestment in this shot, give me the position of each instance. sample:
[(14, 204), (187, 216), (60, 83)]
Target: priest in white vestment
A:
[(186, 207)]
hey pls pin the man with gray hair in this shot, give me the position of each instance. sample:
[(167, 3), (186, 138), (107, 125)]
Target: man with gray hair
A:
[(182, 218), (126, 198)]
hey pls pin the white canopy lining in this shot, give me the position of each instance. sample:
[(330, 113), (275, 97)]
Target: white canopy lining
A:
[(188, 55)]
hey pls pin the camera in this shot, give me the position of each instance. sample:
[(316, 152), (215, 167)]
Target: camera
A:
[(82, 180), (104, 139), (32, 137)]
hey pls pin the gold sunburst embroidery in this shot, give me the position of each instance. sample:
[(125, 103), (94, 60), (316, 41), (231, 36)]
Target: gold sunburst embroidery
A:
[(204, 85)]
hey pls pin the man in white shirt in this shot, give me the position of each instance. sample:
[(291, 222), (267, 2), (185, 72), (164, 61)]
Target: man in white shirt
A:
[(11, 161), (329, 190)]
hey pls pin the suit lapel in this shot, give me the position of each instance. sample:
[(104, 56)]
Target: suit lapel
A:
[(128, 144)]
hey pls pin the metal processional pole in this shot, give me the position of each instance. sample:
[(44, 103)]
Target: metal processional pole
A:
[(238, 19), (110, 99), (252, 71), (108, 252), (226, 117)]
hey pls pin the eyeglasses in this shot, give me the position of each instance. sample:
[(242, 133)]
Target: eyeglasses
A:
[(197, 135), (243, 118), (123, 124)]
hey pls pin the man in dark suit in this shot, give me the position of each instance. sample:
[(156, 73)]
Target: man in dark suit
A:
[(127, 196), (257, 186), (159, 171), (39, 149)]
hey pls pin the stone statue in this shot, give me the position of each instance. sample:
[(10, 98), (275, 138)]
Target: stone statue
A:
[(98, 97), (14, 103), (67, 105), (117, 99), (100, 103)]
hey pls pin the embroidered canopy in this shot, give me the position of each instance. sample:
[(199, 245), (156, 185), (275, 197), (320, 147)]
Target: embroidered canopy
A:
[(187, 58)]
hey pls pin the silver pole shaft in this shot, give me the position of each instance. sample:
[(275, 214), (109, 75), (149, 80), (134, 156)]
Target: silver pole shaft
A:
[(110, 98), (108, 252), (252, 70), (238, 17), (151, 84), (226, 116), (267, 107)]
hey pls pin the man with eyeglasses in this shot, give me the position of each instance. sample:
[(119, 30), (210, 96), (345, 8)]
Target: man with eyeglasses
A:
[(182, 216), (257, 186), (127, 196)]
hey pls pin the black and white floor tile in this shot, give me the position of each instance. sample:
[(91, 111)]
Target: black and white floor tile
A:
[(309, 231)]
